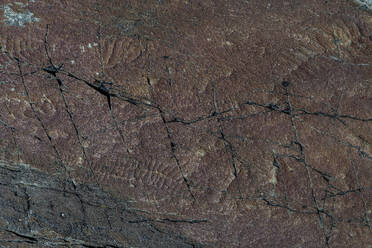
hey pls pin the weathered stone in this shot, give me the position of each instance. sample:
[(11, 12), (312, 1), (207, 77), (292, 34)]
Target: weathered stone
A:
[(41, 210), (249, 120)]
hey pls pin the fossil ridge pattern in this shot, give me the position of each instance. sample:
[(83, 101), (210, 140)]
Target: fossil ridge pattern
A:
[(226, 123)]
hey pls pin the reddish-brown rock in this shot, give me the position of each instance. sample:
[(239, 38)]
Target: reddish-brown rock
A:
[(229, 123)]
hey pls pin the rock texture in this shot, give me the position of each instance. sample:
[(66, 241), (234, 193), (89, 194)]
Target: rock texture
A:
[(40, 210), (225, 123)]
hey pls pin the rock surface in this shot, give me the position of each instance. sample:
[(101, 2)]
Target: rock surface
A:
[(40, 210), (225, 123)]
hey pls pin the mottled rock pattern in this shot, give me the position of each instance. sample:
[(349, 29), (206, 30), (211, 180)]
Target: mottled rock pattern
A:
[(250, 119)]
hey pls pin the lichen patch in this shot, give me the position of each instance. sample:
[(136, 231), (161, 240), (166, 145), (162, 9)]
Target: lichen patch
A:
[(13, 18)]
